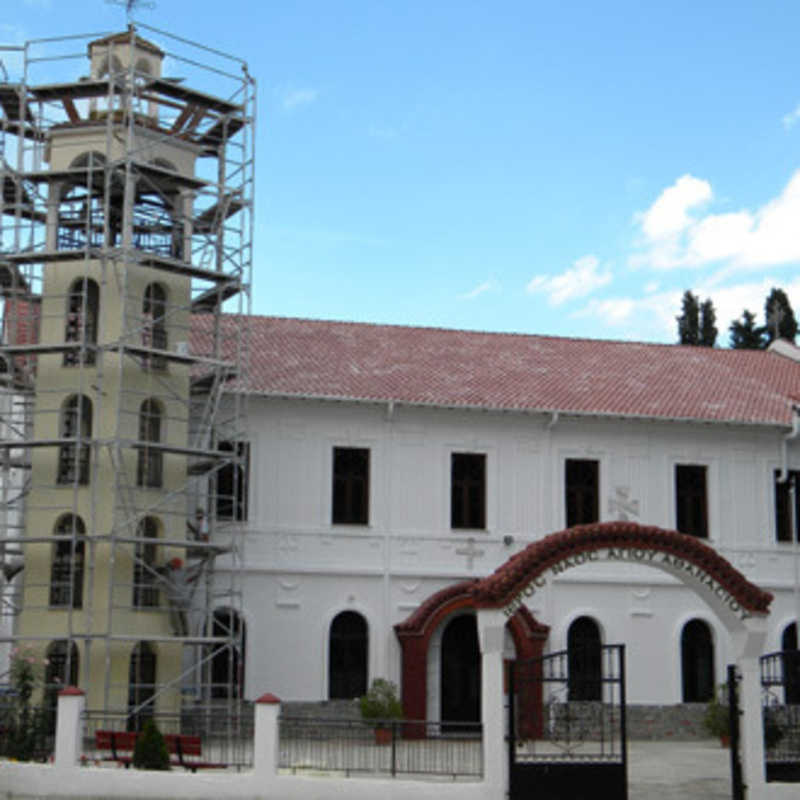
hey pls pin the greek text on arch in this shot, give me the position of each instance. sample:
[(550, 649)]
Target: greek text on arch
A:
[(635, 554)]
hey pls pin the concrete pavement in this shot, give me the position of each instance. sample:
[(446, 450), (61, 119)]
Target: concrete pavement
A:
[(693, 770)]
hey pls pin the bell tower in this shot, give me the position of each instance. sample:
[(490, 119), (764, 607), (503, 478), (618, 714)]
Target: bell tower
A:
[(125, 258)]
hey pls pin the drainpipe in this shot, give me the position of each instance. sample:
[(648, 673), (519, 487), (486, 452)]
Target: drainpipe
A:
[(784, 476)]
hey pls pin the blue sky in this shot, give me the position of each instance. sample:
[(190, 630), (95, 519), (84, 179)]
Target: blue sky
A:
[(563, 169)]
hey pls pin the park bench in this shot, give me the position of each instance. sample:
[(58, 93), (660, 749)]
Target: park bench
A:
[(184, 750)]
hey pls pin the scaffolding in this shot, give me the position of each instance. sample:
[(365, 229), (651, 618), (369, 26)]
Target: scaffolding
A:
[(126, 221)]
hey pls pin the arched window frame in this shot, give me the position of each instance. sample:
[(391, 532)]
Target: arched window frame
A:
[(154, 325), (232, 482), (348, 655), (145, 577), (76, 424), (67, 562), (697, 661), (80, 204), (83, 302), (150, 461), (227, 661), (142, 677)]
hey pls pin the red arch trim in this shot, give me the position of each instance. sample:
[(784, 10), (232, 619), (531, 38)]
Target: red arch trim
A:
[(499, 588), (415, 633)]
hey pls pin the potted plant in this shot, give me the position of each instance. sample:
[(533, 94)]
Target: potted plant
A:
[(381, 706), (717, 720)]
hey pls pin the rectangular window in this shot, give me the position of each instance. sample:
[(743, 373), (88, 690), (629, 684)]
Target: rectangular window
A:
[(783, 517), (582, 491), (468, 490), (691, 512), (350, 486)]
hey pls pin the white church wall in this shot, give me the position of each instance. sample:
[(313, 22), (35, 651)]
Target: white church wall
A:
[(302, 569)]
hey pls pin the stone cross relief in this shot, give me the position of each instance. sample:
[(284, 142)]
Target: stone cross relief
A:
[(470, 551), (622, 505)]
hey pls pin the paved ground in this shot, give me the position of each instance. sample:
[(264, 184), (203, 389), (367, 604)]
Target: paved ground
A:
[(678, 771)]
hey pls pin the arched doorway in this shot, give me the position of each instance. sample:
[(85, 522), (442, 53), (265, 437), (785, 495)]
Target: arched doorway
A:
[(227, 660), (791, 664), (584, 678), (460, 676), (141, 685), (697, 662), (348, 650)]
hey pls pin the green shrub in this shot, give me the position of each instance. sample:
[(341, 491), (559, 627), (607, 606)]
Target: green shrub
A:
[(717, 720), (151, 749), (381, 701)]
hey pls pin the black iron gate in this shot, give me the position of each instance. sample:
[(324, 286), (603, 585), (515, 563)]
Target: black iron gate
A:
[(566, 725), (780, 692), (734, 716)]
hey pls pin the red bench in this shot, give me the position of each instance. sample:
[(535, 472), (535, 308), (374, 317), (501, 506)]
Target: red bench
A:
[(179, 745)]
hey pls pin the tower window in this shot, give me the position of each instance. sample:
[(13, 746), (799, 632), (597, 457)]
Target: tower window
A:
[(154, 325), (75, 424), (66, 567), (150, 462), (81, 321)]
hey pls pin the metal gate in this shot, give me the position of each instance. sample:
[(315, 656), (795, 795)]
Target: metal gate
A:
[(566, 725)]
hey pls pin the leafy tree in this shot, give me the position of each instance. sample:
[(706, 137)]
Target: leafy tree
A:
[(745, 334), (780, 316), (689, 320), (150, 751), (708, 330), (696, 323)]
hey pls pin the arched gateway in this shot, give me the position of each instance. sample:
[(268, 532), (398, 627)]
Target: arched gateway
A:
[(500, 598)]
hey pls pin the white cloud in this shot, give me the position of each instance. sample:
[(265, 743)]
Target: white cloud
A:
[(791, 119), (669, 214), (740, 240), (581, 279), (291, 98), (481, 288)]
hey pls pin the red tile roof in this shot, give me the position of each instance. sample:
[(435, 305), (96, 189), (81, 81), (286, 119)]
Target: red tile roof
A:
[(467, 369)]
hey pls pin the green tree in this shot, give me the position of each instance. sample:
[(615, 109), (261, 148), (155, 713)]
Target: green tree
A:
[(781, 322), (708, 328), (689, 320), (150, 751), (745, 334)]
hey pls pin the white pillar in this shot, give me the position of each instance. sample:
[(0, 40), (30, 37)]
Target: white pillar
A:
[(265, 742), (491, 633), (69, 731), (749, 645)]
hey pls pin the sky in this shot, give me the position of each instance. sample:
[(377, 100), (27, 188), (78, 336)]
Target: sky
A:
[(565, 169)]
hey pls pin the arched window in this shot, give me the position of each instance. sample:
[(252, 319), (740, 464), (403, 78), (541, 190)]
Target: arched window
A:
[(75, 423), (154, 324), (145, 577), (347, 656), (232, 482), (584, 660), (149, 467), (80, 207), (227, 660), (697, 662), (141, 685), (66, 567), (81, 322), (61, 670), (791, 664)]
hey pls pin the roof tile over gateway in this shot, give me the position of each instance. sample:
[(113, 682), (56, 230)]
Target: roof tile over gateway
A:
[(451, 368)]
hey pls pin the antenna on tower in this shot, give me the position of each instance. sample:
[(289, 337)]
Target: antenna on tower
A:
[(131, 5)]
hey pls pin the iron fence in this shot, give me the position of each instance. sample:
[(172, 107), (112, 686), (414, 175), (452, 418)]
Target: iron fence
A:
[(405, 748), (226, 738), (780, 685)]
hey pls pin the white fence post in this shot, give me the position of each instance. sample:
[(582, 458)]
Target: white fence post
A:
[(266, 739), (69, 744), (491, 635)]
